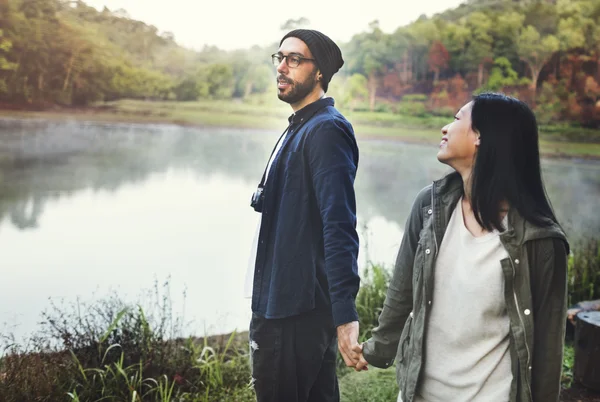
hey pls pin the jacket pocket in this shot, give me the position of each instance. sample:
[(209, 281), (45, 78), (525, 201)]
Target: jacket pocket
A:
[(292, 172), (405, 338)]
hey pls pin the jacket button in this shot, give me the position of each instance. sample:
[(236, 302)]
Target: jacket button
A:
[(428, 251), (517, 261), (527, 311), (430, 211), (411, 314), (429, 302)]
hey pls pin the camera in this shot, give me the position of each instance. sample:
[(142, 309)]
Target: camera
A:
[(257, 199)]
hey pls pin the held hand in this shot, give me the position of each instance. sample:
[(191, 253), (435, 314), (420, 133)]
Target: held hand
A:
[(347, 341), (362, 363)]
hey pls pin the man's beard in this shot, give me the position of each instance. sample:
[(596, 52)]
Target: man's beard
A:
[(298, 90)]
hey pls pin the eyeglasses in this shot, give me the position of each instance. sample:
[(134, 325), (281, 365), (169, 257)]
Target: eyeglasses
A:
[(292, 60)]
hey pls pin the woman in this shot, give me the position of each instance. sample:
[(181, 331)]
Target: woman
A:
[(475, 310)]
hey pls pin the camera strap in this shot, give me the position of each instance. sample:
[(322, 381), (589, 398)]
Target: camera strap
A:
[(264, 176)]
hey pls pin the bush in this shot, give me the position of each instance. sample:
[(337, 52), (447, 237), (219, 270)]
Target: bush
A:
[(370, 298), (415, 98), (412, 109), (118, 351), (444, 111), (567, 371), (549, 107), (382, 107), (584, 271)]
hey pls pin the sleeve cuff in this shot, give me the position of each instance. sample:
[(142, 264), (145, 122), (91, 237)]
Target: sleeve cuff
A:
[(373, 359), (343, 313)]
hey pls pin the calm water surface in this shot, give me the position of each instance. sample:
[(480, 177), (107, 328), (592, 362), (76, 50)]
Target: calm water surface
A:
[(87, 209)]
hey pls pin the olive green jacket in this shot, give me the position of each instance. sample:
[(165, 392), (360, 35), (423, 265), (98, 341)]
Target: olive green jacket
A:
[(535, 292)]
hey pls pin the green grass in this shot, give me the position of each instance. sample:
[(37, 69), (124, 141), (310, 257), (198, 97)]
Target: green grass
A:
[(378, 385), (115, 351), (568, 361), (374, 385), (267, 112)]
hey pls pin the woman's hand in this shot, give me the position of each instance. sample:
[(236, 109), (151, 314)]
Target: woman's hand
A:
[(362, 364)]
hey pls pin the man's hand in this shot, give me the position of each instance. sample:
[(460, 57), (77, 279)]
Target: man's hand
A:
[(347, 341)]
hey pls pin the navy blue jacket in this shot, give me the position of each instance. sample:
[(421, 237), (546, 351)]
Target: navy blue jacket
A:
[(308, 245)]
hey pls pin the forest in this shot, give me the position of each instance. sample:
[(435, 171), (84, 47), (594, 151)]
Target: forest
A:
[(546, 52)]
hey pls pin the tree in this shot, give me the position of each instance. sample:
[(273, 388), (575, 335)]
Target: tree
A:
[(292, 24), (502, 75), (479, 50), (455, 40), (219, 78), (595, 42), (580, 27), (400, 46), (368, 55), (422, 33), (570, 33), (438, 59), (505, 30), (536, 51), (355, 89), (257, 79), (5, 65)]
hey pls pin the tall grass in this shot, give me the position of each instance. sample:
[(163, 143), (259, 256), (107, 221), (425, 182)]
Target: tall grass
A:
[(114, 351), (370, 298), (110, 350)]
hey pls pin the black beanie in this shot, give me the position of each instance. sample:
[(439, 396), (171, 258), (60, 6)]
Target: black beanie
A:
[(327, 54)]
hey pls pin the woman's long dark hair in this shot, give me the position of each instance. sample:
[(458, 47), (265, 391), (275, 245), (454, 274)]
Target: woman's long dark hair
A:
[(507, 165)]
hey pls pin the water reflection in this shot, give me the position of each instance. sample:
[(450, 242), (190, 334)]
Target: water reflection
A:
[(85, 208)]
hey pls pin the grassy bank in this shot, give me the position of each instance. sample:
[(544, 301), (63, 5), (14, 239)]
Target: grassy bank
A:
[(270, 114), (111, 350)]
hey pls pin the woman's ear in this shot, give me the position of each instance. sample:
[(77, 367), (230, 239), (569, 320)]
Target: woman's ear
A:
[(477, 138)]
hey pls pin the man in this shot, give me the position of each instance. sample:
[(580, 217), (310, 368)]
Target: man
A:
[(305, 268)]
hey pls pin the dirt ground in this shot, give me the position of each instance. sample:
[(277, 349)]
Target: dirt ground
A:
[(578, 393)]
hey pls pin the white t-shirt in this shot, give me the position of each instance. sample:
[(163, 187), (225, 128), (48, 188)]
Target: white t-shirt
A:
[(467, 355), (248, 285)]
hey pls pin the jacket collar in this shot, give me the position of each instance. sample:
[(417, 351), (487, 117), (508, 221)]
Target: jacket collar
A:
[(308, 110), (518, 231)]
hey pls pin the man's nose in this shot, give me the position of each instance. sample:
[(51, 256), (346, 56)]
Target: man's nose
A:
[(282, 68)]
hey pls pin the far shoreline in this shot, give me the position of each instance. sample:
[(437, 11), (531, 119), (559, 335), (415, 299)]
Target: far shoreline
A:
[(240, 121)]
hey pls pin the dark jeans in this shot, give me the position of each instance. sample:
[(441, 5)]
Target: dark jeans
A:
[(294, 359)]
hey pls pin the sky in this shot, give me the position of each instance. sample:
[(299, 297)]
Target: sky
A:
[(243, 23)]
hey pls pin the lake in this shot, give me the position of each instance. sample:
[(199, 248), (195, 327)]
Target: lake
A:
[(87, 209)]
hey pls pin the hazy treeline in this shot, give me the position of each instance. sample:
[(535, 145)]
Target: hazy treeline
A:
[(545, 51)]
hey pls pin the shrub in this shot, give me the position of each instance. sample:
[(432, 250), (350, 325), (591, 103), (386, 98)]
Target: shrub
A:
[(370, 298), (112, 350), (584, 271)]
